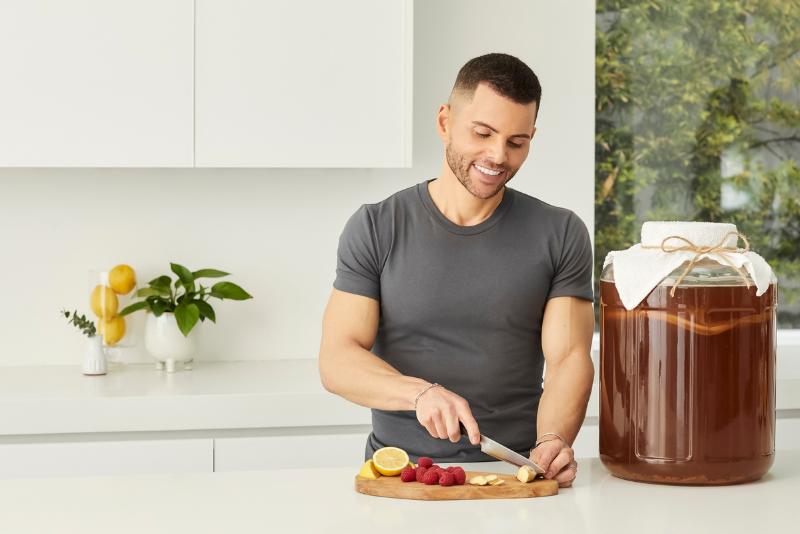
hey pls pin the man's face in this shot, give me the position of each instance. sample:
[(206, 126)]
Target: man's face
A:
[(490, 132)]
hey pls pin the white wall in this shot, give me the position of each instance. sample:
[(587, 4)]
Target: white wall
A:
[(276, 230)]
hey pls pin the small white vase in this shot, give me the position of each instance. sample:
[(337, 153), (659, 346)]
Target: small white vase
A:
[(167, 344), (95, 362)]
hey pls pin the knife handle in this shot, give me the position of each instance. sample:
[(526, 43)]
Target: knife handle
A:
[(464, 432)]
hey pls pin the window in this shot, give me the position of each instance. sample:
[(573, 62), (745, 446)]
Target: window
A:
[(697, 119)]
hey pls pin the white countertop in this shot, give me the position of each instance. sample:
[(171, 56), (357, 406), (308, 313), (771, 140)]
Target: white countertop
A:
[(324, 500), (215, 395), (131, 398)]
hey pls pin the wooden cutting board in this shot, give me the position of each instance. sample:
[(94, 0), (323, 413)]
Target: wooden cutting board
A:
[(510, 489)]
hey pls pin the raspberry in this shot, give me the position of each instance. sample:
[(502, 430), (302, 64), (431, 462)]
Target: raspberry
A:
[(430, 478), (446, 479), (408, 474), (436, 466), (425, 462), (450, 469), (420, 473), (460, 477)]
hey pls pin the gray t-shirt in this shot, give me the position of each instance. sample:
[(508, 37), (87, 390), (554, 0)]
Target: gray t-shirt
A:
[(463, 306)]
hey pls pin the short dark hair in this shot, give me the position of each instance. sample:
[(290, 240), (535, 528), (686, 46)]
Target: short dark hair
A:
[(507, 75)]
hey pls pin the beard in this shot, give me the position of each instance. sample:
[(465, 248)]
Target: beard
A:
[(460, 167)]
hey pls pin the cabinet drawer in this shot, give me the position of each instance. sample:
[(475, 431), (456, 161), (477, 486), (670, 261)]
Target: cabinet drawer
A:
[(289, 452), (103, 458)]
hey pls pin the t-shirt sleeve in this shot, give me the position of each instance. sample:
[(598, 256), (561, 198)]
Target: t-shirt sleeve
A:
[(573, 275), (357, 259)]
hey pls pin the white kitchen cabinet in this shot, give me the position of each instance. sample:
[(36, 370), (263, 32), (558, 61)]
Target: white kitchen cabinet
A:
[(325, 450), (96, 83), (787, 437), (103, 458), (347, 450), (289, 452), (303, 84)]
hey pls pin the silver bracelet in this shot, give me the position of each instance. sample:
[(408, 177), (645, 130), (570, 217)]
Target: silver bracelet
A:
[(553, 434), (421, 392)]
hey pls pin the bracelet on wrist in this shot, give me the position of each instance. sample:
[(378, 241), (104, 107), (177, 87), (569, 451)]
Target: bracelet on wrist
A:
[(423, 391), (551, 434)]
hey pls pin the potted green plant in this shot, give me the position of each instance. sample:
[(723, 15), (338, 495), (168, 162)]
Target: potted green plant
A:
[(95, 361), (174, 309)]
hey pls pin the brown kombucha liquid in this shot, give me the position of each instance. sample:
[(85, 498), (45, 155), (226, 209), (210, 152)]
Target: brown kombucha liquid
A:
[(687, 384)]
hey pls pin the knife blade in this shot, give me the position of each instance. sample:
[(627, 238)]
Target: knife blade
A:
[(495, 450)]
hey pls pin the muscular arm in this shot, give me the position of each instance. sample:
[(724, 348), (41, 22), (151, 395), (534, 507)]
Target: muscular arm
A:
[(346, 365), (348, 369), (566, 342)]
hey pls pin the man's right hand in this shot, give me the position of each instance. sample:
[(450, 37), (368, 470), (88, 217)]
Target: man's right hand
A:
[(440, 410)]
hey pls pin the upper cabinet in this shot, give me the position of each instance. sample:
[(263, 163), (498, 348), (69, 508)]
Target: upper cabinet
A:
[(206, 83), (303, 84), (93, 83)]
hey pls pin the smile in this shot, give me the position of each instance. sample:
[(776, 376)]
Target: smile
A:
[(489, 176), (490, 172)]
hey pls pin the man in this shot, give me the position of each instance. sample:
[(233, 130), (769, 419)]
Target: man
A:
[(463, 282)]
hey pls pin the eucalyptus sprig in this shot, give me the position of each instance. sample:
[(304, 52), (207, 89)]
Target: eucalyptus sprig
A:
[(81, 322), (190, 305)]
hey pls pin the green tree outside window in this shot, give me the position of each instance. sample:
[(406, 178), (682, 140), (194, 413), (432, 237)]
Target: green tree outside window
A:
[(697, 119)]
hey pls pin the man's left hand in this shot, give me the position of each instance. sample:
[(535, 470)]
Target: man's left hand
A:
[(555, 457)]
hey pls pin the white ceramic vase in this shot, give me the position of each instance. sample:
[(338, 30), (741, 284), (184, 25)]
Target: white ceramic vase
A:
[(95, 361), (167, 344)]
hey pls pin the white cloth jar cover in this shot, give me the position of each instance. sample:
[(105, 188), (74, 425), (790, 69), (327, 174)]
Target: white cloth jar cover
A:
[(638, 270)]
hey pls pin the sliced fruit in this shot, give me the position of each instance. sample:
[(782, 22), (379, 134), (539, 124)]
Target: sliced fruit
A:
[(490, 478), (478, 481), (368, 470), (412, 464), (390, 461)]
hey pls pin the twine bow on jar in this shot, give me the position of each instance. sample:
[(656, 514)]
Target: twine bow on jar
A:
[(719, 249)]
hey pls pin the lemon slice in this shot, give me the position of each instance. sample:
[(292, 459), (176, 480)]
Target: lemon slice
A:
[(368, 470), (390, 461), (412, 465)]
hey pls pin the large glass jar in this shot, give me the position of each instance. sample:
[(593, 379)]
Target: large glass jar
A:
[(687, 382)]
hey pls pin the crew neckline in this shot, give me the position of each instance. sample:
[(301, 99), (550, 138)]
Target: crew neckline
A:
[(450, 226)]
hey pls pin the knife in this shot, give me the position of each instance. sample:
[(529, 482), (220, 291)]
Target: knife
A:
[(495, 450)]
